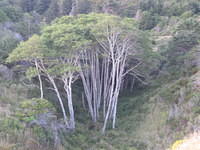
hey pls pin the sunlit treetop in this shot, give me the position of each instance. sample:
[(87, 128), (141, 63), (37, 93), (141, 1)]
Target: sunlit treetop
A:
[(71, 33), (29, 50)]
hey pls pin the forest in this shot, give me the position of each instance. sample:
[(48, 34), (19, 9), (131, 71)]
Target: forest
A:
[(99, 75)]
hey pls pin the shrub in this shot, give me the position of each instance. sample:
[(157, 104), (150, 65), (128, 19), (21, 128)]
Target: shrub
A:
[(12, 13), (7, 43), (181, 44), (184, 41), (3, 16), (189, 24), (195, 7), (29, 109), (148, 21)]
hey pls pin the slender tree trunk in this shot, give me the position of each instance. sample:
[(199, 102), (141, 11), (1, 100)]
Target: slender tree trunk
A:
[(40, 80), (106, 83), (87, 89), (118, 51), (51, 79), (92, 80), (60, 100), (67, 86), (113, 74)]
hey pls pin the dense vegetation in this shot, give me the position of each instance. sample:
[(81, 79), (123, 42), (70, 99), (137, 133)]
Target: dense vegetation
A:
[(99, 74)]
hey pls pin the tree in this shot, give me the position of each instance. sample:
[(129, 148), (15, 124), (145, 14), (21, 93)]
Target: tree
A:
[(195, 7), (84, 7), (117, 44), (53, 11), (29, 25), (42, 6), (64, 44), (64, 7), (3, 16), (94, 47), (27, 5), (104, 44), (148, 21), (34, 51), (13, 13), (30, 51), (7, 43)]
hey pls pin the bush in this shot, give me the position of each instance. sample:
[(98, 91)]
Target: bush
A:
[(7, 44), (28, 26), (154, 6), (29, 109), (184, 41), (10, 126), (191, 24), (195, 7), (148, 21), (171, 93), (186, 38), (12, 13), (3, 16)]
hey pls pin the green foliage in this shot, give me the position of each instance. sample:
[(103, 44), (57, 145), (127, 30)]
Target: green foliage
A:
[(155, 6), (3, 16), (181, 49), (61, 69), (183, 42), (42, 6), (7, 43), (29, 50), (43, 135), (29, 109), (189, 24), (31, 72), (72, 33), (27, 5), (29, 26), (10, 125), (84, 7), (186, 15), (167, 8), (196, 110), (67, 35), (171, 92), (13, 13), (52, 12), (195, 6), (148, 21), (126, 8)]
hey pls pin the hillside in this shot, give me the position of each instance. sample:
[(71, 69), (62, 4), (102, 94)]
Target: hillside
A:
[(99, 75)]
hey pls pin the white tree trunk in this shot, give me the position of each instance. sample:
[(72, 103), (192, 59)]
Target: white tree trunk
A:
[(92, 81), (60, 100), (51, 79), (118, 51), (68, 88), (40, 80)]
